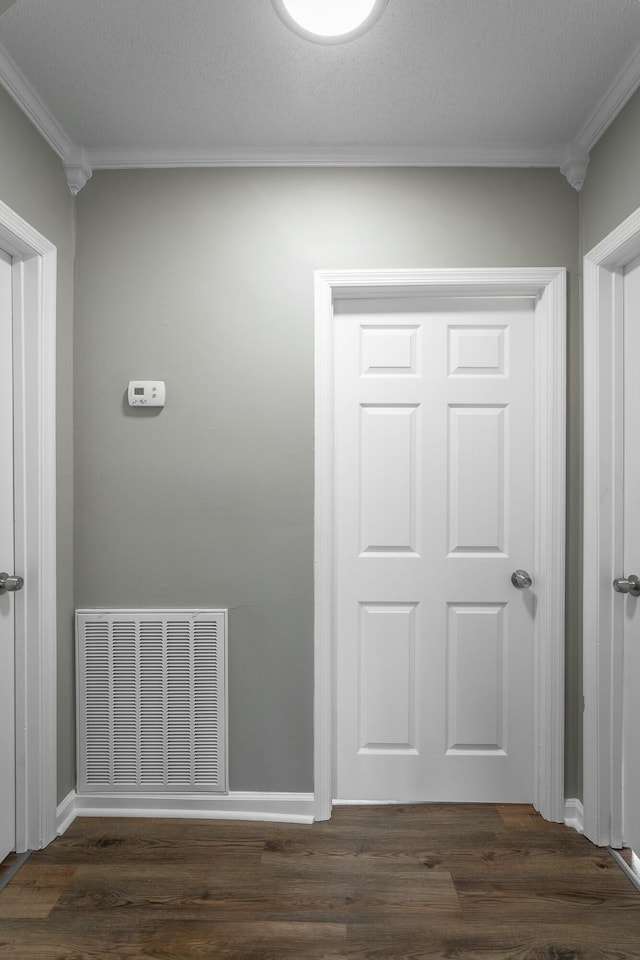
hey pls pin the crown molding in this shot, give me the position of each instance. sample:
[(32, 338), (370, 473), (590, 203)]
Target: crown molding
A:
[(74, 158), (576, 157), (609, 106), (32, 105), (337, 156), (79, 162)]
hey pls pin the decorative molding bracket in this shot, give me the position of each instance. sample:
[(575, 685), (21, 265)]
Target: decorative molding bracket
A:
[(77, 169), (574, 164)]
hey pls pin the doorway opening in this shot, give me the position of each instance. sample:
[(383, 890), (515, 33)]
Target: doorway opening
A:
[(33, 260), (546, 289), (604, 531)]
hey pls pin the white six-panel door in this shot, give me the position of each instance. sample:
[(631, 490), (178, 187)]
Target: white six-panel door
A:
[(434, 510), (7, 606)]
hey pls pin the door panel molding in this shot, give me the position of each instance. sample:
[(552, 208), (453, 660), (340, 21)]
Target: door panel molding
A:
[(548, 286), (34, 311), (603, 526)]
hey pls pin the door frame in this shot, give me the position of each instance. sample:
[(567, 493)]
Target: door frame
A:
[(548, 287), (603, 527), (34, 352)]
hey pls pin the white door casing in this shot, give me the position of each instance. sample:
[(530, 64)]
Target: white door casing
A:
[(631, 564), (34, 336), (434, 493), (603, 625), (7, 625), (547, 287)]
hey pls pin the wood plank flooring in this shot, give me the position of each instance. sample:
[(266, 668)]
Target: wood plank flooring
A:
[(374, 883)]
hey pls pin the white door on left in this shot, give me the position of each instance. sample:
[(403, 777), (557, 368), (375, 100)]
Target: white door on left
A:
[(7, 599)]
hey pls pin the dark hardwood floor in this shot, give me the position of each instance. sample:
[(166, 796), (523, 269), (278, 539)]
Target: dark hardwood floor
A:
[(407, 882)]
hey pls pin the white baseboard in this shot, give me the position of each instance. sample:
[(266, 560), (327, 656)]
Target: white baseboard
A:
[(625, 867), (275, 807), (66, 813), (574, 814)]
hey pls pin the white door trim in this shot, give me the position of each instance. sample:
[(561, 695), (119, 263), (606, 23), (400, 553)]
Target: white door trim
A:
[(34, 310), (548, 286), (603, 520)]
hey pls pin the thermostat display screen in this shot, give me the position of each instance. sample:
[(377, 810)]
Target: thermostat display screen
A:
[(138, 391)]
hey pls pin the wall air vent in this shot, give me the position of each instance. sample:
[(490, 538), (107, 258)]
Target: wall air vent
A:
[(152, 705)]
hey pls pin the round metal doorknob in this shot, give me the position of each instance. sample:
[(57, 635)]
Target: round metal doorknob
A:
[(10, 584), (521, 579), (629, 584)]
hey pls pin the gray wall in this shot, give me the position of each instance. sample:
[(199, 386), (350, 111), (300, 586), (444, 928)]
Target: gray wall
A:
[(32, 183), (612, 188), (204, 278)]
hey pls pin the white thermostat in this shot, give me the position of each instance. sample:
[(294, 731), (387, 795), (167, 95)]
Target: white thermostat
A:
[(146, 393)]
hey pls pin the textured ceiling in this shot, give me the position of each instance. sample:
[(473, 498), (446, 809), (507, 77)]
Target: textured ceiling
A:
[(217, 80)]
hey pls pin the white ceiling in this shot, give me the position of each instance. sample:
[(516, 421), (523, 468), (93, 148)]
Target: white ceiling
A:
[(202, 82)]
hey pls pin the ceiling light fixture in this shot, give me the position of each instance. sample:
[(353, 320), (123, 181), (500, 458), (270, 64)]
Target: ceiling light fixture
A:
[(329, 21)]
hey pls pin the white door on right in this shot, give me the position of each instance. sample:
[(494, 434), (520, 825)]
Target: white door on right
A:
[(630, 603), (7, 600), (435, 511)]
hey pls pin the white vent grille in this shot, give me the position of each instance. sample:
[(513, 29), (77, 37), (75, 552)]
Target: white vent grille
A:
[(151, 701)]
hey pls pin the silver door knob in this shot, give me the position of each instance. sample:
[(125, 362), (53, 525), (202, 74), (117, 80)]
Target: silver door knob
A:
[(10, 584), (521, 579), (629, 584)]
